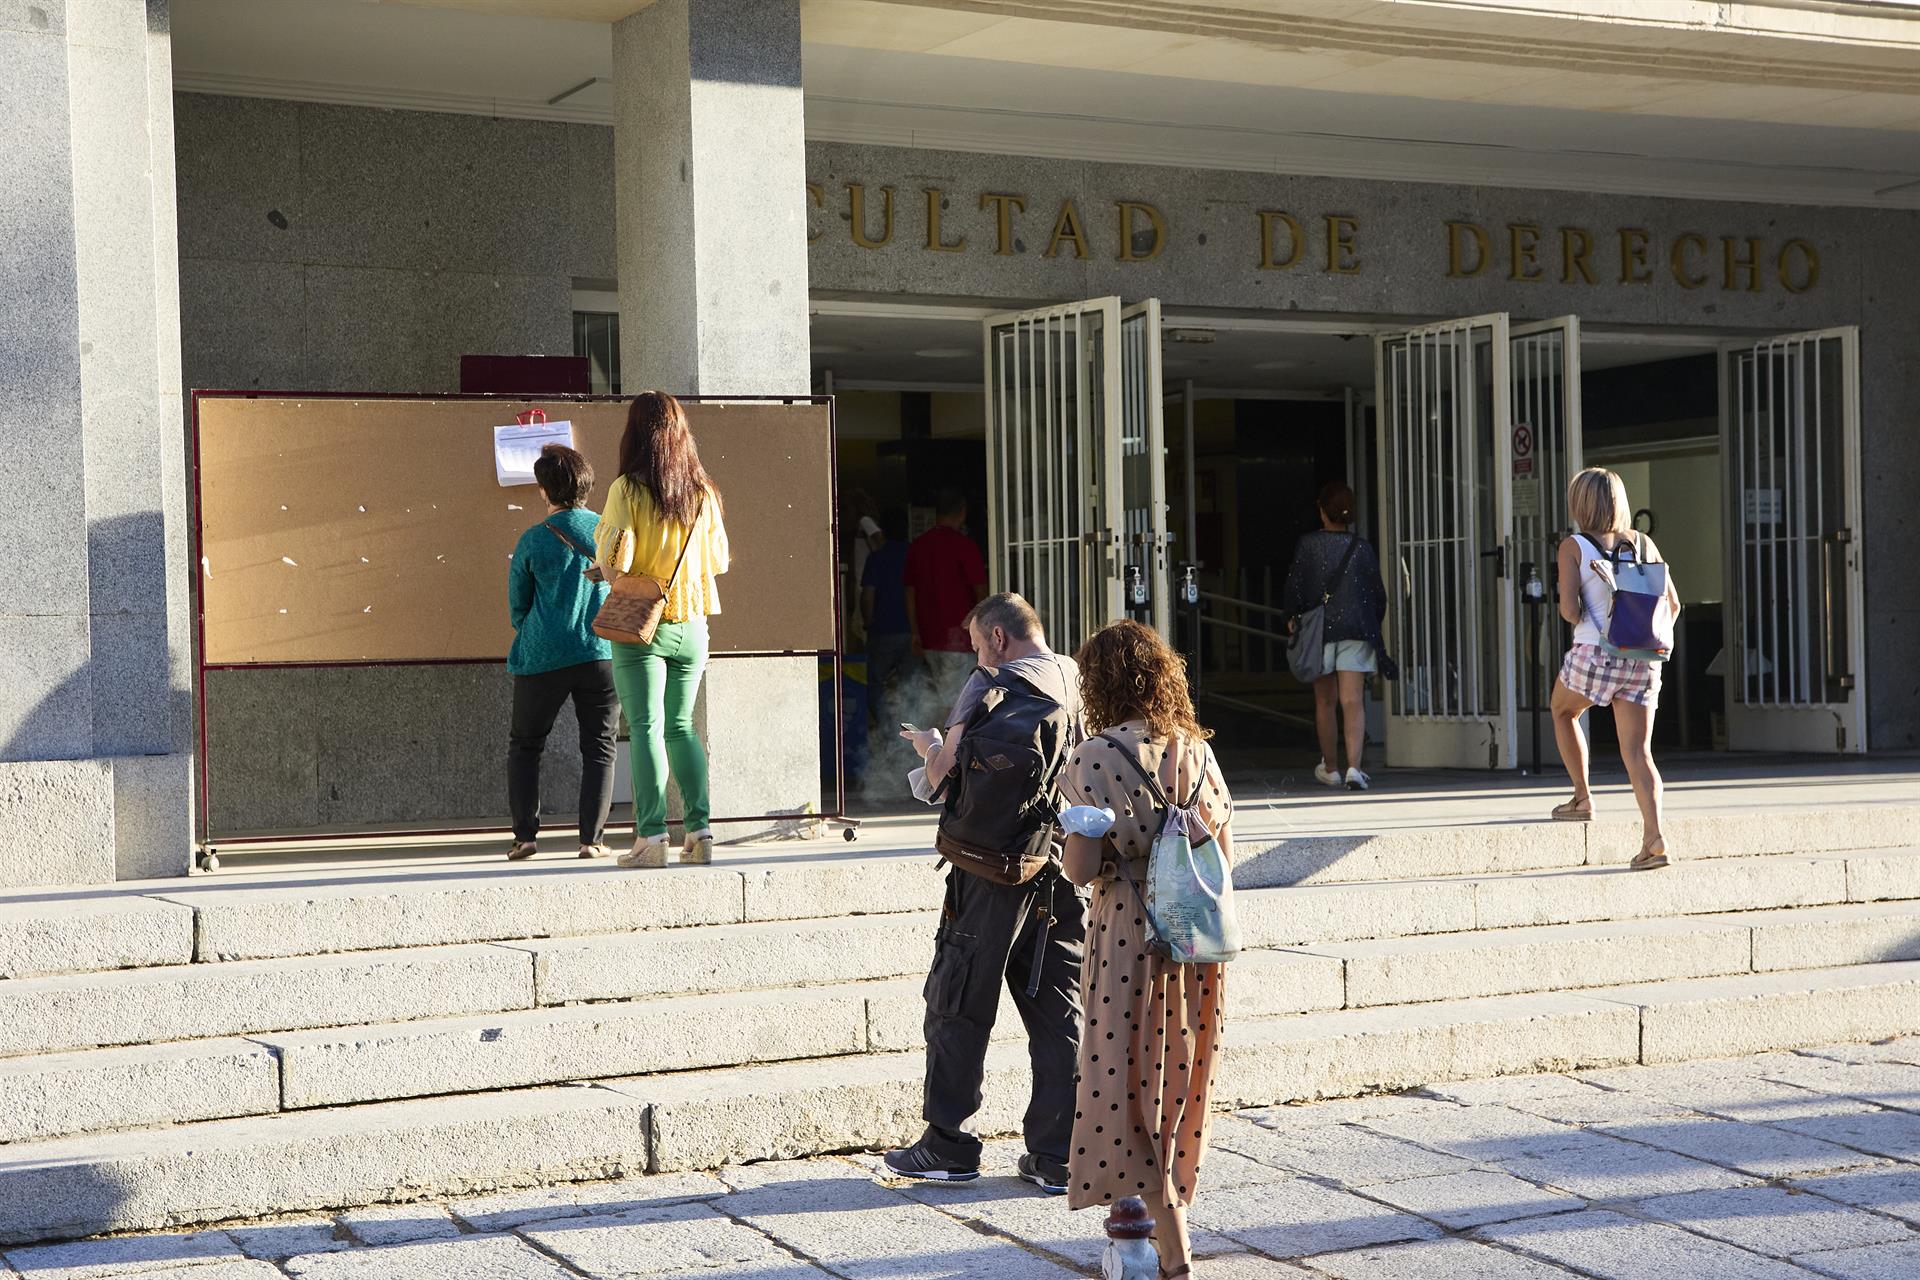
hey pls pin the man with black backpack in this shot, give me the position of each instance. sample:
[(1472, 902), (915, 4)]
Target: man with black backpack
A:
[(1010, 915)]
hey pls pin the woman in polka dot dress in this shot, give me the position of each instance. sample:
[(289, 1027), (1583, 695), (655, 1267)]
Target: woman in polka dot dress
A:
[(1152, 1026)]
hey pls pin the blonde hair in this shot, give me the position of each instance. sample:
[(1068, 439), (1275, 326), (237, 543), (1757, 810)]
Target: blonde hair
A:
[(1597, 502)]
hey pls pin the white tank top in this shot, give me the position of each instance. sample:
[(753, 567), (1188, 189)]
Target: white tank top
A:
[(1596, 597)]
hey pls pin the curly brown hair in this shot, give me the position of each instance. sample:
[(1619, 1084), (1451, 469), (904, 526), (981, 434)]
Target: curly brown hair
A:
[(1127, 672)]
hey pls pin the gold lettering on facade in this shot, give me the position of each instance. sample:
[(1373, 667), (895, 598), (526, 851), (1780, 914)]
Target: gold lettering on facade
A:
[(1296, 240), (1003, 206), (1677, 259), (1634, 268), (1472, 250), (1576, 244), (1342, 259), (1155, 224), (1734, 263), (934, 242), (1523, 253), (1457, 268), (1067, 227), (857, 208), (1810, 266)]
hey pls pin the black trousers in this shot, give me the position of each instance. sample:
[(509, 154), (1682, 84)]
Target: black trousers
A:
[(1032, 934), (537, 700)]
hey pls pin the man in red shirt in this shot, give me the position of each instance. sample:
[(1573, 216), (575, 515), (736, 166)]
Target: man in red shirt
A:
[(945, 577)]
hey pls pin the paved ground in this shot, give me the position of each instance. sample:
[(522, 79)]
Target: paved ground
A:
[(1773, 1167)]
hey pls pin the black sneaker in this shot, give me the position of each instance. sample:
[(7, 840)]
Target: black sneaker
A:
[(1048, 1175), (922, 1161)]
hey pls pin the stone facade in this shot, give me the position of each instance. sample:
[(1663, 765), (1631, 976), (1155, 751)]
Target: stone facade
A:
[(334, 248), (95, 726)]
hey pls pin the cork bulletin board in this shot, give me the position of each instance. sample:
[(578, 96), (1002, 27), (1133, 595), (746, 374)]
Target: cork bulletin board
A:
[(340, 530)]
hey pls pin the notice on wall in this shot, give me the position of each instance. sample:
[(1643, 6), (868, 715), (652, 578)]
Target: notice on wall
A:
[(515, 447), (1526, 499), (1763, 506)]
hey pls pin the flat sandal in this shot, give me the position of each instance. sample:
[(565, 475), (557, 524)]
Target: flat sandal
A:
[(1652, 856), (1571, 812)]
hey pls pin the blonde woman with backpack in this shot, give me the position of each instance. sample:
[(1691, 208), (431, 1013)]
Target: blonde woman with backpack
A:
[(1592, 676), (1147, 1053)]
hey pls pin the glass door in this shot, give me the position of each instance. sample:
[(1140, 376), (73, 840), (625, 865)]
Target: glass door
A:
[(1790, 441), (1444, 420)]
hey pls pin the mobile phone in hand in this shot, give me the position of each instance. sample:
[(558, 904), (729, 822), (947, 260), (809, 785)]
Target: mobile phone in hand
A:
[(909, 728)]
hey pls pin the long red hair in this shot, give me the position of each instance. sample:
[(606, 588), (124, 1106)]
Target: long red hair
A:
[(657, 451)]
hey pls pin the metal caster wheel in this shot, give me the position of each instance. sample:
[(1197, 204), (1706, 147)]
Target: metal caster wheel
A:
[(850, 834), (209, 862)]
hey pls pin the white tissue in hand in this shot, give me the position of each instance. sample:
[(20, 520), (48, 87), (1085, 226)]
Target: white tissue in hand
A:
[(1085, 820)]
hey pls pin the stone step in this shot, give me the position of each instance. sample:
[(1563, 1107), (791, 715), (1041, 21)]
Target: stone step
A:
[(199, 1001), (1724, 1017), (1568, 957), (1495, 849), (597, 935), (54, 1094), (90, 930), (345, 1156), (216, 1170), (318, 915), (677, 1034)]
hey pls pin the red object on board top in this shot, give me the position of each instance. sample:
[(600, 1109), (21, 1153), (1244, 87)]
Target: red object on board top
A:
[(525, 376)]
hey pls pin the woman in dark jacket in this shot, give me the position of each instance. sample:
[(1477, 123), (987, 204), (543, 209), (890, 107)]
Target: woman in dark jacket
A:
[(1356, 603)]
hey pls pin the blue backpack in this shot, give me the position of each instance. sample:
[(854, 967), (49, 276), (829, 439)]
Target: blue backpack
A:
[(1638, 625)]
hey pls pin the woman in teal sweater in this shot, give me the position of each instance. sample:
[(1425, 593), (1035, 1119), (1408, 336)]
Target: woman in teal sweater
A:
[(556, 656)]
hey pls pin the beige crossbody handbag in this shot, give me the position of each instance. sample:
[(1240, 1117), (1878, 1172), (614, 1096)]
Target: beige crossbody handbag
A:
[(636, 602)]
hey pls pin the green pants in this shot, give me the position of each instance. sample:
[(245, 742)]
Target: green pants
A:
[(657, 684)]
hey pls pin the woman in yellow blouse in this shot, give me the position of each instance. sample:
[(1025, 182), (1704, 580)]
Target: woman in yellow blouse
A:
[(663, 503)]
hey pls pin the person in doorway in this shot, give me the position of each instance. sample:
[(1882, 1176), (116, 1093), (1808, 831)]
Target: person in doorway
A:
[(1153, 1025), (1591, 676), (555, 655), (665, 519), (883, 607), (945, 577), (1334, 566), (1026, 937)]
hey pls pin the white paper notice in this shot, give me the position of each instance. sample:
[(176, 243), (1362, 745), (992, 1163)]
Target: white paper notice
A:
[(515, 448)]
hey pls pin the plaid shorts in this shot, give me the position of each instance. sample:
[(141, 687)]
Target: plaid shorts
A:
[(1599, 677)]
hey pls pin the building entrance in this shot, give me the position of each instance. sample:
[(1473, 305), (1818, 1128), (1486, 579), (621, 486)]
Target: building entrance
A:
[(1459, 437)]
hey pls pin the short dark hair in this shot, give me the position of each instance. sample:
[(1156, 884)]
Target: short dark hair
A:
[(1010, 612), (565, 475), (949, 502)]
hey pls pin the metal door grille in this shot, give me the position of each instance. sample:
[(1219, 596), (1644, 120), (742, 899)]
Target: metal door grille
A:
[(1439, 481), (1789, 481), (1044, 397)]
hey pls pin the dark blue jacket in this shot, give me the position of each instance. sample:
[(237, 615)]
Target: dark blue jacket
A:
[(1359, 601)]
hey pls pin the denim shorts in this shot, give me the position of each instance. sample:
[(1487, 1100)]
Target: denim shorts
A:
[(1350, 655)]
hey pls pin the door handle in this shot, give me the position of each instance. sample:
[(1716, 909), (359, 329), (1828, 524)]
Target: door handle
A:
[(1499, 555)]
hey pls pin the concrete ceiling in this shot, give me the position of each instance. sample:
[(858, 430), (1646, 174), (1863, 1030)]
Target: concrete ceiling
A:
[(988, 77), (902, 347)]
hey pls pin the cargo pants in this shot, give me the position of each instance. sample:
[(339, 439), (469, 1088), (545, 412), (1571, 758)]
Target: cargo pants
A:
[(1031, 937)]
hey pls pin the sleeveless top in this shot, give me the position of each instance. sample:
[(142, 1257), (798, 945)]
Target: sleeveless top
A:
[(1596, 596)]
